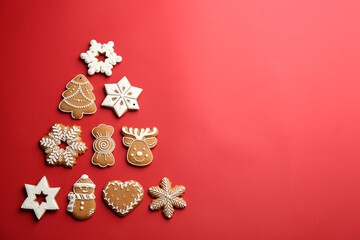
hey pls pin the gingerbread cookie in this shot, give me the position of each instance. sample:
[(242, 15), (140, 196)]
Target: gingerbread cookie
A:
[(103, 146), (91, 57), (42, 188), (82, 200), (122, 197), (139, 142), (121, 96), (56, 156), (78, 99), (167, 197)]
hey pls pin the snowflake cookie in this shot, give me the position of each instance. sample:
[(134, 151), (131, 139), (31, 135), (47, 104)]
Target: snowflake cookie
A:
[(167, 197), (121, 96), (57, 156), (91, 57), (42, 188)]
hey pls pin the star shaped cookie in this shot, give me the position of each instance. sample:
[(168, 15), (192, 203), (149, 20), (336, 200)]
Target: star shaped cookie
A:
[(121, 96), (41, 188), (167, 197)]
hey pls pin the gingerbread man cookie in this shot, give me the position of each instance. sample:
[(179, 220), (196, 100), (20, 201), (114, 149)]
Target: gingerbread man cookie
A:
[(82, 200), (139, 142), (123, 197), (78, 99), (167, 197), (103, 146), (57, 156)]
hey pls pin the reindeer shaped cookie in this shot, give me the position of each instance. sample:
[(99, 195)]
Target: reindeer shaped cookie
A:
[(139, 142)]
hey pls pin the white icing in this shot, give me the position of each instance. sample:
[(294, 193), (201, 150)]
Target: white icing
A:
[(121, 97), (72, 196), (122, 185), (42, 187), (79, 89), (57, 155), (140, 134), (167, 198), (96, 66), (87, 185), (103, 145), (133, 135), (84, 176)]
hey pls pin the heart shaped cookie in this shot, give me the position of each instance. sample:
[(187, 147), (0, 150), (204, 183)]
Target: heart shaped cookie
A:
[(122, 197)]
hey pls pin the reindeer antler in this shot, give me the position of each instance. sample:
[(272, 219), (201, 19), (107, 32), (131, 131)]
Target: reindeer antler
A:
[(140, 134)]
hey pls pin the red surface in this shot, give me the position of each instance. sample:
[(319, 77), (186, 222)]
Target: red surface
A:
[(257, 104)]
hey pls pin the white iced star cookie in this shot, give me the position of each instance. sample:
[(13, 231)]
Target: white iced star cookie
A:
[(91, 57), (121, 96), (41, 188)]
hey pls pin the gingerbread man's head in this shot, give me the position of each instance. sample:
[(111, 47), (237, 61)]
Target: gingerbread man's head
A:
[(84, 185)]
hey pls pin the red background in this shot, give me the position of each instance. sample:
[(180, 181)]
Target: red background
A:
[(257, 105)]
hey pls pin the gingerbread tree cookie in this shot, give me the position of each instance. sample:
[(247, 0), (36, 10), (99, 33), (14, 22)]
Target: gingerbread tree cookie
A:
[(78, 99), (167, 197)]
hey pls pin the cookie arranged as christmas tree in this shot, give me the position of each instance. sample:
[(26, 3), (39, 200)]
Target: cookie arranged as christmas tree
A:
[(78, 99)]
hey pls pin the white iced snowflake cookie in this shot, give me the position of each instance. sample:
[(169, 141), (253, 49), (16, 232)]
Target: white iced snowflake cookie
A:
[(42, 188), (91, 57), (121, 96), (57, 156), (167, 198)]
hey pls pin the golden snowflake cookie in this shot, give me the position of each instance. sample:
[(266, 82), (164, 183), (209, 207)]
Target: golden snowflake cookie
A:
[(167, 197), (57, 156)]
